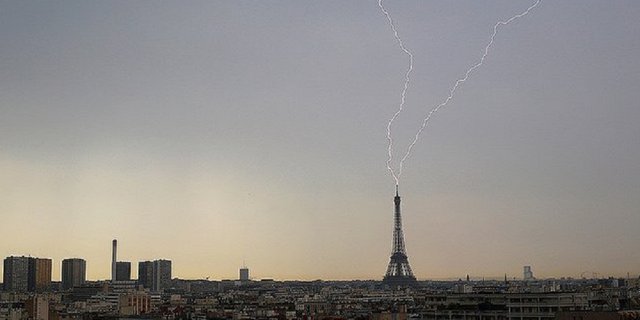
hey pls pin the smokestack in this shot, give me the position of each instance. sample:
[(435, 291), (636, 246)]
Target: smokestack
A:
[(114, 253)]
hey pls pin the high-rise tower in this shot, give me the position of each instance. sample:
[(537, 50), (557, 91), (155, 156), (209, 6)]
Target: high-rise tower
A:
[(155, 275), (528, 274), (74, 273), (398, 272), (22, 274), (123, 271), (244, 274), (16, 274)]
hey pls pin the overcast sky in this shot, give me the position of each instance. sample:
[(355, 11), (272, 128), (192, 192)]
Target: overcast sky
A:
[(216, 132)]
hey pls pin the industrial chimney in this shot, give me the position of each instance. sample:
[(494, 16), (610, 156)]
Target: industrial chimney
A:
[(114, 253)]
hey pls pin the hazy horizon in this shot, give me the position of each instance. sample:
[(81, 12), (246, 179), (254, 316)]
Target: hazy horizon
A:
[(227, 131)]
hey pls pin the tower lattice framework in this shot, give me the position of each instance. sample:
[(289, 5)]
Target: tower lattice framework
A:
[(398, 272)]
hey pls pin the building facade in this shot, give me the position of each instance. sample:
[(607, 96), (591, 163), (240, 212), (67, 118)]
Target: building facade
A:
[(244, 274), (501, 306), (134, 303), (155, 275), (123, 271), (22, 274), (74, 273), (16, 274), (39, 274), (161, 275), (145, 274), (37, 307), (527, 273)]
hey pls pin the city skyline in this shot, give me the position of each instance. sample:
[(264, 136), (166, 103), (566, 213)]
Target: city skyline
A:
[(587, 274), (224, 132)]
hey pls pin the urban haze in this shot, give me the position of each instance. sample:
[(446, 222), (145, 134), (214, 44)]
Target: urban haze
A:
[(219, 134)]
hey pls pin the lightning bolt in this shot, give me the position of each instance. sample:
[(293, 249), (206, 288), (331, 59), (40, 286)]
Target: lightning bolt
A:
[(456, 86), (403, 95)]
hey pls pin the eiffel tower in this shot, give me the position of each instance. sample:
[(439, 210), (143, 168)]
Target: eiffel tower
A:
[(398, 272)]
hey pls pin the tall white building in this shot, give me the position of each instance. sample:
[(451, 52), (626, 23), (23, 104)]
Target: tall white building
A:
[(244, 274), (528, 274)]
